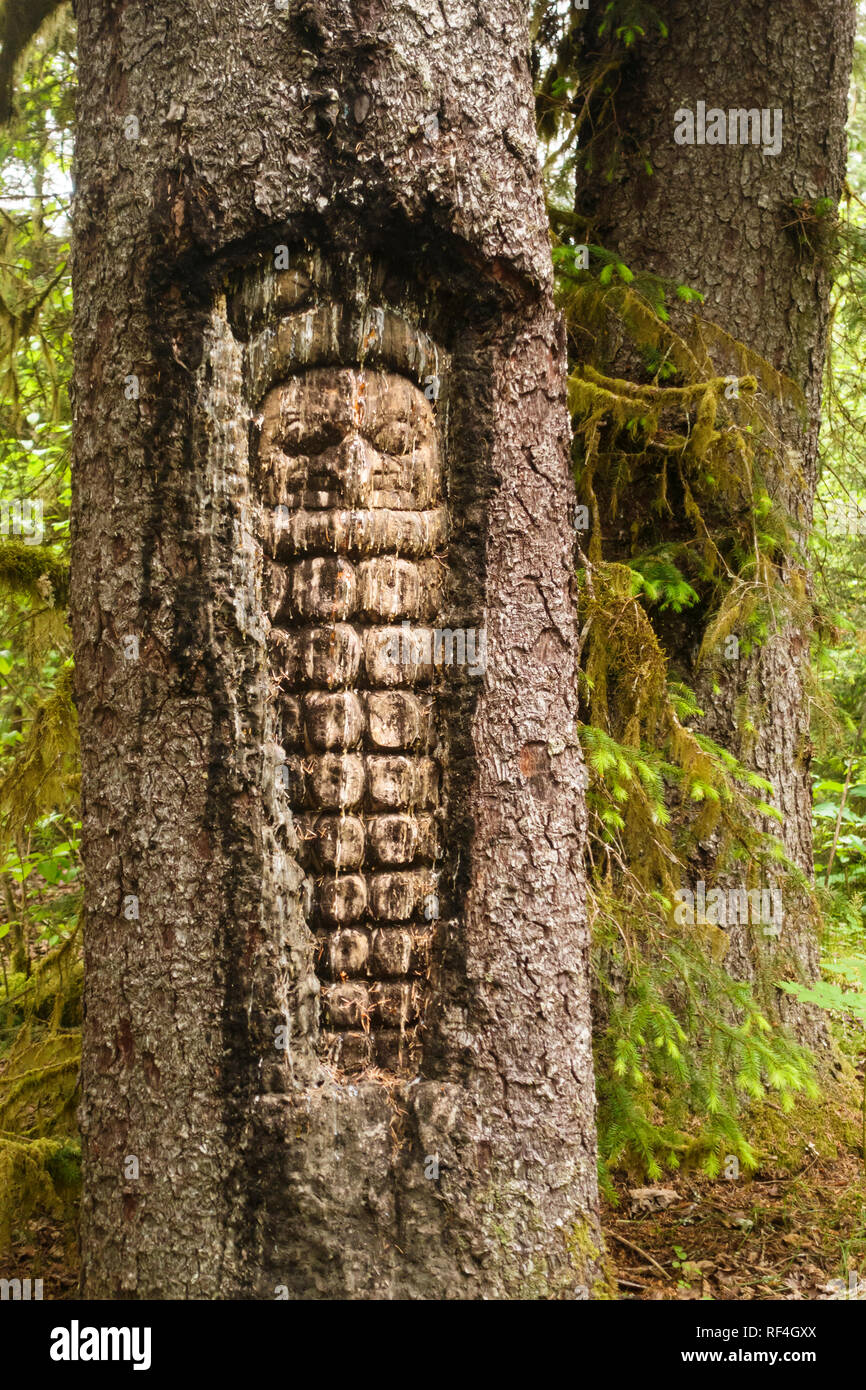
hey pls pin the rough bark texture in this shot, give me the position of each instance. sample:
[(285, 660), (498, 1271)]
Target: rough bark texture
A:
[(723, 219), (323, 255)]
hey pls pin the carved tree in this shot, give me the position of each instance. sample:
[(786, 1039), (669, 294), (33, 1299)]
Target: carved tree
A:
[(337, 1034)]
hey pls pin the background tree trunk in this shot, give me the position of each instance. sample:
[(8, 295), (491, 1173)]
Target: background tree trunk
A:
[(298, 228), (739, 226)]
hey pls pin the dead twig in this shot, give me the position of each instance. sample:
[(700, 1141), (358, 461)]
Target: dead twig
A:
[(637, 1251)]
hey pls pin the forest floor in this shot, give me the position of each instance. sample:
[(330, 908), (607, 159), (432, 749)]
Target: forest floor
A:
[(45, 1249), (766, 1237)]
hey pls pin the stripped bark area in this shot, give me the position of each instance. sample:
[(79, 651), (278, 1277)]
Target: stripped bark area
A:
[(351, 476)]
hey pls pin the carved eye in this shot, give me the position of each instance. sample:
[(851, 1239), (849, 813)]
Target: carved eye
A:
[(396, 437), (309, 437)]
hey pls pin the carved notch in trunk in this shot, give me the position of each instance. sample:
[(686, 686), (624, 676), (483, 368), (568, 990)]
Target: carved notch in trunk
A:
[(351, 479)]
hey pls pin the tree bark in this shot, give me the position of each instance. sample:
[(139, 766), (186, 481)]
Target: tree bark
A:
[(337, 1036), (729, 221)]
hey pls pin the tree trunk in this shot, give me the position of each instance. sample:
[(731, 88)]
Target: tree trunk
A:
[(740, 225), (337, 1037)]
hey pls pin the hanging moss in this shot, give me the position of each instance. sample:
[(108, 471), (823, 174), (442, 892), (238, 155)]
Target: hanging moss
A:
[(35, 572), (44, 775), (39, 1062)]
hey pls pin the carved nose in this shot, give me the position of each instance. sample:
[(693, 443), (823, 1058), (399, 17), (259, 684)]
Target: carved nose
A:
[(356, 460)]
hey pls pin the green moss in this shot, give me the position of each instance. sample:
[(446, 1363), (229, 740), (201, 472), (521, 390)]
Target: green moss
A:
[(36, 572), (37, 1175), (591, 1263), (45, 774), (39, 1151), (820, 1125)]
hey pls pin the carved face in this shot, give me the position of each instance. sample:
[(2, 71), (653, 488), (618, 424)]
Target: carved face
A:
[(337, 437)]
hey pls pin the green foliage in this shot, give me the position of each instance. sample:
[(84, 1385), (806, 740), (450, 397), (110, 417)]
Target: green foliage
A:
[(682, 1050), (40, 960), (659, 581), (44, 773), (684, 1053), (576, 57), (827, 994)]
